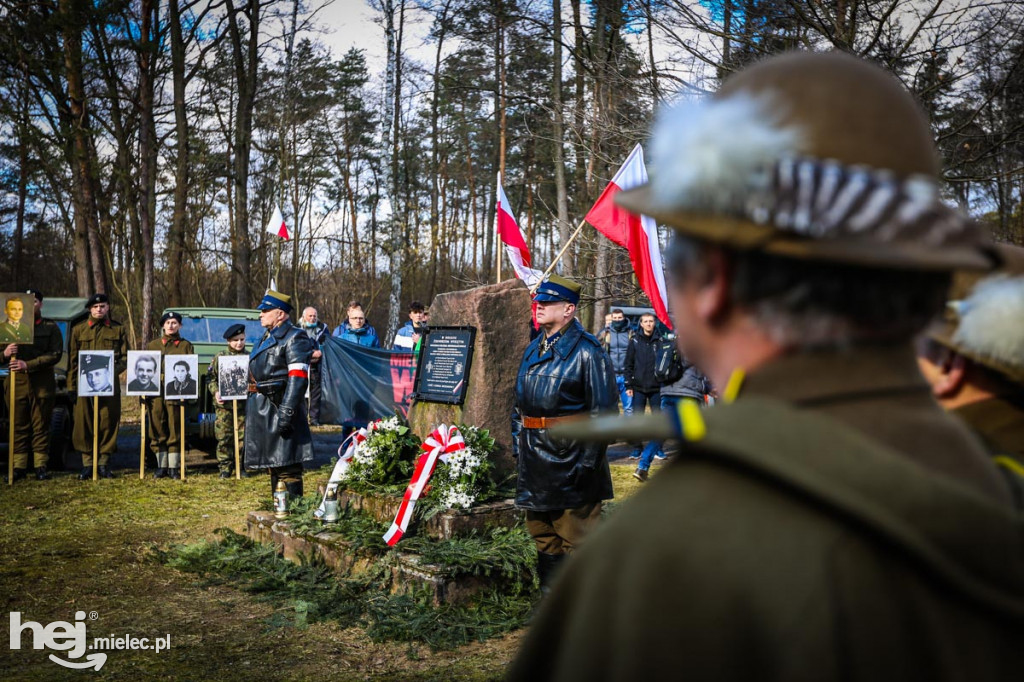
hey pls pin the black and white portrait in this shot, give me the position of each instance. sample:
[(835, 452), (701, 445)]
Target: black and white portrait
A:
[(233, 376), (143, 372), (180, 377), (96, 373)]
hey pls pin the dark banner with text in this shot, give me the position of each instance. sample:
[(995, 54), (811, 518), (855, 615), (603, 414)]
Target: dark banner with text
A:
[(360, 384)]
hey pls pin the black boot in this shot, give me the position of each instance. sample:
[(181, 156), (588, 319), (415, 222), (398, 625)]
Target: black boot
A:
[(294, 489), (85, 474), (104, 472), (19, 474), (41, 474), (547, 567), (161, 472)]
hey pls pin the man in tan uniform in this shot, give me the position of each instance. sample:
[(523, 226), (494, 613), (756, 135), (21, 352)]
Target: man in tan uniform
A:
[(165, 415), (98, 332), (827, 520), (35, 390)]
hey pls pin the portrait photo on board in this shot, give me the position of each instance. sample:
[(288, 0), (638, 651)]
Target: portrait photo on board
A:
[(96, 373), (181, 374), (233, 376), (17, 318), (143, 373)]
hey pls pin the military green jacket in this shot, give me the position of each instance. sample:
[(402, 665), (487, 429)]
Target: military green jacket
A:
[(833, 523), (999, 422), (104, 335), (40, 357)]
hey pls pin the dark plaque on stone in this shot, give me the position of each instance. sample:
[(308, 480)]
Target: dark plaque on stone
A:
[(442, 373)]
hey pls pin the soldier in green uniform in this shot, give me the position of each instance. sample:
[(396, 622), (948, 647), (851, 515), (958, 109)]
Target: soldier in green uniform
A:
[(826, 519), (224, 426), (98, 332), (165, 415), (35, 389), (974, 362)]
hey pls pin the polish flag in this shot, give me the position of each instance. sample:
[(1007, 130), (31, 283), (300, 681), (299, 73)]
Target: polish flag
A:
[(515, 245), (638, 233), (277, 225)]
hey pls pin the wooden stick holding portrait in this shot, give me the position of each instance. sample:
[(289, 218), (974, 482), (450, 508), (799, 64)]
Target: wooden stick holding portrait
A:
[(95, 437), (10, 419), (234, 435), (181, 443), (142, 440)]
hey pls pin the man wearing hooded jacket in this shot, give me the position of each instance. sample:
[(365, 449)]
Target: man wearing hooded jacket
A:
[(277, 434)]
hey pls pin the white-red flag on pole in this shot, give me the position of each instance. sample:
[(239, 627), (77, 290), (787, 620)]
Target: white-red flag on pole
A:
[(277, 225), (512, 238), (639, 234)]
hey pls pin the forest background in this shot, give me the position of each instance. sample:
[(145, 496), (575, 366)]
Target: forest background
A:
[(145, 143)]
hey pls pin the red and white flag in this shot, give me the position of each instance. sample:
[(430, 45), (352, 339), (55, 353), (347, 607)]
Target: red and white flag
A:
[(512, 237), (277, 225), (639, 234)]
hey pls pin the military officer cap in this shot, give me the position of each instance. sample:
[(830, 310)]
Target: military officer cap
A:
[(233, 331), (275, 300), (91, 362), (97, 298), (36, 293), (815, 156), (558, 288), (170, 315)]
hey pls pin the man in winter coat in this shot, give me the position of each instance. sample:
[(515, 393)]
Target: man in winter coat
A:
[(277, 434), (691, 385), (615, 340), (564, 373), (826, 520), (642, 386), (317, 332), (409, 334), (355, 329)]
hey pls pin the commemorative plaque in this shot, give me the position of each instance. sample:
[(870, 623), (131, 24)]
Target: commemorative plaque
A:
[(442, 373)]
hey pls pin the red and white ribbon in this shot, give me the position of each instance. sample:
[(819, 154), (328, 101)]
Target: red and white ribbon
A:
[(346, 451), (442, 442)]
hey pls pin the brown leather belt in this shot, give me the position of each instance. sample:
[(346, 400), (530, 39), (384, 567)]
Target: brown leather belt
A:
[(544, 422)]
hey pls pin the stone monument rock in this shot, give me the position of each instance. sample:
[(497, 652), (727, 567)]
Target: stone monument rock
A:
[(501, 315)]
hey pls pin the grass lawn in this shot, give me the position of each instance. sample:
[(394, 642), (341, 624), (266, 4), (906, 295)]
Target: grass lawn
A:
[(72, 546)]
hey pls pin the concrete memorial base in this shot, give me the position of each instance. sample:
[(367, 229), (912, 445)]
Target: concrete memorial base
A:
[(409, 572)]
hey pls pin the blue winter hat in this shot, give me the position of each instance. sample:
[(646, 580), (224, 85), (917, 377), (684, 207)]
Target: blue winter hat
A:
[(273, 299)]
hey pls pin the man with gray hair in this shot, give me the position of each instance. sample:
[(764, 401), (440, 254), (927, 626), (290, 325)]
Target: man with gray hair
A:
[(317, 332), (827, 520)]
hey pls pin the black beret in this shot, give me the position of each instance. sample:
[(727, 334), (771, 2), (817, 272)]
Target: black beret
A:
[(36, 293), (234, 330), (91, 362), (170, 315), (97, 298)]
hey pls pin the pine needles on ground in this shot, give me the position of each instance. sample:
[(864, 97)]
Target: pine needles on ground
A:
[(313, 593)]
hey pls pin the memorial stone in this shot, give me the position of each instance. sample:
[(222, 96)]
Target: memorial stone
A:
[(501, 315)]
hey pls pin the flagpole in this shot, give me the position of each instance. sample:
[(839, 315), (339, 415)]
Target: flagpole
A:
[(559, 256), (497, 233)]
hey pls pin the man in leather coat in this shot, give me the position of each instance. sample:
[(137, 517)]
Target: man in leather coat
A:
[(277, 435), (564, 373)]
